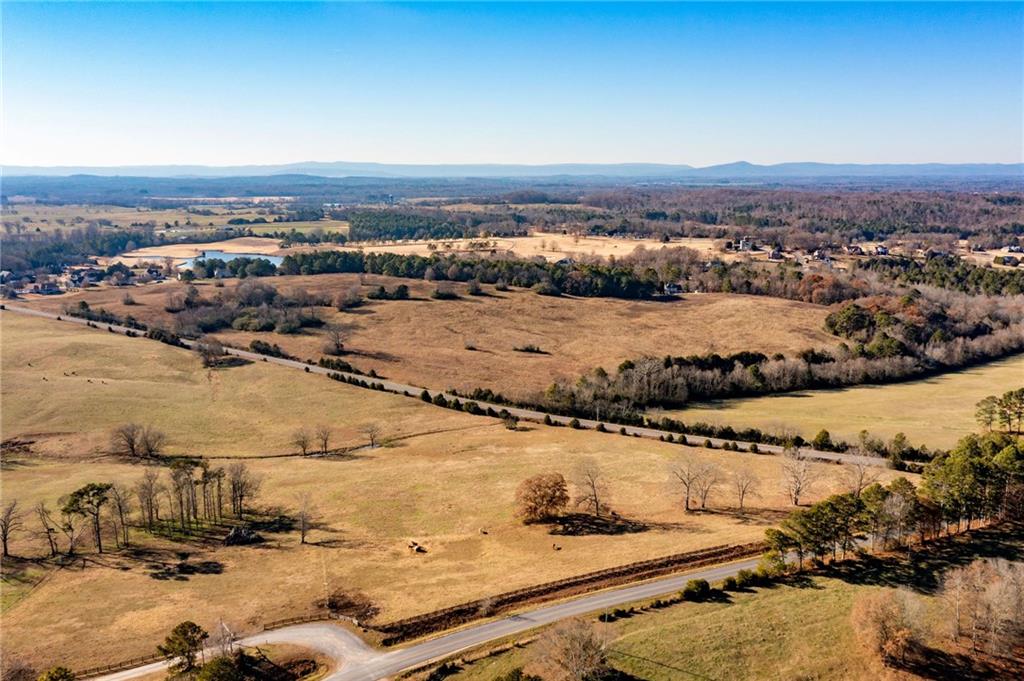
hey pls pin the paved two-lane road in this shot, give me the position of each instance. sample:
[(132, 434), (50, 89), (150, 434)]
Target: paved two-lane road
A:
[(354, 660)]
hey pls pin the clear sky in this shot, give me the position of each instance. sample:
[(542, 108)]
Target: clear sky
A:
[(221, 84)]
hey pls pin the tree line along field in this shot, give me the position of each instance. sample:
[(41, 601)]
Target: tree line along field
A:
[(427, 342), (447, 482), (935, 411)]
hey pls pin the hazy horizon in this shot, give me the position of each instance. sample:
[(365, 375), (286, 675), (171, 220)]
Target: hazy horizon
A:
[(101, 84)]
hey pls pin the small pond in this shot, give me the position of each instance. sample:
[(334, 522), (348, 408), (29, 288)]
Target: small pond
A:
[(228, 257)]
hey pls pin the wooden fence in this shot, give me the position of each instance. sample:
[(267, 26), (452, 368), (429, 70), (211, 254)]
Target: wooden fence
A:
[(419, 625), (438, 620), (119, 666)]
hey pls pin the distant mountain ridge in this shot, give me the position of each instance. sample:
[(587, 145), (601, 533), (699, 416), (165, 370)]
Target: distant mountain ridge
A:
[(738, 170)]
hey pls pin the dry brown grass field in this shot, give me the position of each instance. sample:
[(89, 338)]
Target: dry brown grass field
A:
[(448, 484), (549, 246), (48, 218), (424, 341)]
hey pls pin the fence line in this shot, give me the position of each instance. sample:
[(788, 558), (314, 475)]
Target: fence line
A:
[(431, 621), (444, 618)]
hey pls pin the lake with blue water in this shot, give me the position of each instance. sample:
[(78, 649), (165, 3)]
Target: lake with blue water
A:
[(227, 257)]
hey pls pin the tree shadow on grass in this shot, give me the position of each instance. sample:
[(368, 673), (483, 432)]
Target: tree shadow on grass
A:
[(673, 671), (181, 571), (922, 570), (230, 361), (580, 524), (932, 663)]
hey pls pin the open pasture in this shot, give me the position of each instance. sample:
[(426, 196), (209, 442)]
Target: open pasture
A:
[(446, 480), (66, 216), (548, 245), (470, 342)]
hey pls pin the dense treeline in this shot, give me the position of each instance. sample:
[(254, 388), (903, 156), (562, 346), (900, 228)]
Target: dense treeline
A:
[(53, 250), (639, 275), (316, 236), (808, 218), (580, 279), (250, 306), (892, 338), (205, 268), (391, 225), (982, 478), (950, 272)]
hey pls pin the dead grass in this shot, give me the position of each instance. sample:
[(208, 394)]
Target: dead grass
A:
[(67, 387), (450, 491), (425, 342)]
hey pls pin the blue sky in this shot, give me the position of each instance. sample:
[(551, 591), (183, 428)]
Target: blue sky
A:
[(110, 84)]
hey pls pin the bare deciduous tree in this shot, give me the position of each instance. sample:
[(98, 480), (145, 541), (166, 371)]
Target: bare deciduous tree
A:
[(744, 482), (125, 439), (306, 515), (984, 601), (706, 483), (887, 624), (323, 436), (797, 475), (335, 335), (302, 440), (152, 442), (49, 526), (688, 470), (859, 474), (593, 491), (210, 351), (574, 650), (10, 522), (372, 432), (148, 489), (122, 501), (243, 484)]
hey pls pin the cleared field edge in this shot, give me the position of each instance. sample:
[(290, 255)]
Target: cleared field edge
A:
[(935, 411)]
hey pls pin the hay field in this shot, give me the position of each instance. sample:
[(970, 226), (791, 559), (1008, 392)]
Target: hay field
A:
[(935, 411), (548, 245), (50, 218), (46, 217), (424, 341), (248, 410), (304, 227), (451, 491)]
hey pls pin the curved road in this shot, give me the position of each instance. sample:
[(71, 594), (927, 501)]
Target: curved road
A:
[(524, 414), (356, 661)]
